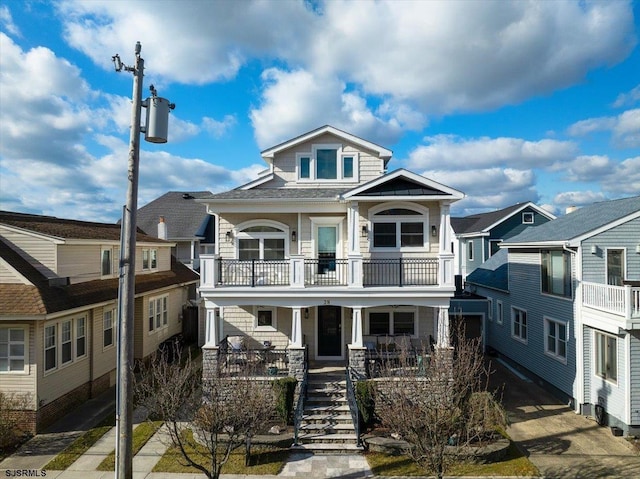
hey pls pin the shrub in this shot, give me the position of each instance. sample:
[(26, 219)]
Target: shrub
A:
[(364, 399), (285, 389)]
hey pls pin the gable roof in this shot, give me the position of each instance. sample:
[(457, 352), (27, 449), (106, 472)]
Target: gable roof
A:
[(184, 216), (484, 222), (64, 229), (269, 153), (582, 223), (44, 297), (493, 273), (400, 184)]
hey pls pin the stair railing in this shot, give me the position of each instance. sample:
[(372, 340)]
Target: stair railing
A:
[(353, 404), (299, 411)]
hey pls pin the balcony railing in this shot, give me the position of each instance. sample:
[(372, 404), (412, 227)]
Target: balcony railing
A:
[(619, 300), (305, 272)]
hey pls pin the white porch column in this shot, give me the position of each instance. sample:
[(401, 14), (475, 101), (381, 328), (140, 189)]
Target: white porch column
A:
[(353, 216), (356, 327), (296, 271), (442, 334), (445, 229), (296, 327), (211, 326)]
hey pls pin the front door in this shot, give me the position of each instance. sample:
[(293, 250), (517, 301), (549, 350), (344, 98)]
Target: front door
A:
[(329, 331)]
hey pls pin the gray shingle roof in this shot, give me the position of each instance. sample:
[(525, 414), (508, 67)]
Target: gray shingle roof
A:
[(493, 273), (279, 194), (478, 222), (183, 216), (579, 223)]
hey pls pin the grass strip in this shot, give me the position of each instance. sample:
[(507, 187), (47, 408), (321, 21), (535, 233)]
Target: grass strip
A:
[(513, 464), (141, 435), (77, 448), (265, 460)]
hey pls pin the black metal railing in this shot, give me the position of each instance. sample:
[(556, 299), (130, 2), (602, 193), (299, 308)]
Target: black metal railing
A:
[(299, 410), (254, 272), (253, 362), (326, 272), (400, 272), (353, 403)]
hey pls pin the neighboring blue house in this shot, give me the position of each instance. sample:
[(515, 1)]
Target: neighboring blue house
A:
[(563, 303), (478, 237)]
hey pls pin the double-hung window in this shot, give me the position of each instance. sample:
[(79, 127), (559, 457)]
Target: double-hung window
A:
[(261, 242), (106, 262), (149, 259), (606, 356), (327, 162), (50, 347), (107, 328), (66, 342), (556, 339), (519, 324), (81, 337), (158, 312), (13, 352), (392, 322), (556, 273), (399, 228), (615, 267)]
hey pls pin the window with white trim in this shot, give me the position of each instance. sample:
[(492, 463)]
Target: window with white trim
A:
[(262, 242), (108, 336), (606, 356), (327, 162), (470, 250), (13, 349), (519, 324), (490, 309), (556, 272), (556, 339), (265, 318), (81, 337), (527, 218), (399, 228), (149, 259), (158, 315), (499, 312), (50, 347), (66, 344), (615, 266), (106, 261), (392, 322)]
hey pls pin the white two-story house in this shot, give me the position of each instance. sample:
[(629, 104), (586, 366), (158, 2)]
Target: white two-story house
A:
[(326, 248)]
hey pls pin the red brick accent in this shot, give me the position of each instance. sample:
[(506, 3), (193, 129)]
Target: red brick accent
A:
[(56, 409)]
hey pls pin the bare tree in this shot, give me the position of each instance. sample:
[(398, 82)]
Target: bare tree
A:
[(431, 400), (205, 426), (13, 407)]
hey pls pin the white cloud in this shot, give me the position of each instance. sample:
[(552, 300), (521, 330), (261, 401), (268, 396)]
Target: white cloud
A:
[(457, 153), (216, 128), (624, 127), (6, 20), (577, 198), (585, 168), (624, 178), (628, 98)]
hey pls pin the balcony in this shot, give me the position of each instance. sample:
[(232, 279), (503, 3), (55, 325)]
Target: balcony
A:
[(308, 273), (622, 301)]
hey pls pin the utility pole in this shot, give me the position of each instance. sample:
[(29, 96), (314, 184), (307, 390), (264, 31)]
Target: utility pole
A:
[(157, 118)]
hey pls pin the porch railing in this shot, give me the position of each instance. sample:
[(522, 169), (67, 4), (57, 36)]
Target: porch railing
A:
[(253, 362), (619, 300), (400, 272), (353, 404), (377, 272)]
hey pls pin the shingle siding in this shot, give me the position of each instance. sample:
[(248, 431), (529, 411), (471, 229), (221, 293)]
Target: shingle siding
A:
[(634, 386)]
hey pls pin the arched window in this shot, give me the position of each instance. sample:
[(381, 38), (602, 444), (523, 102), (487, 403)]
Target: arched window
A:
[(400, 227), (262, 241)]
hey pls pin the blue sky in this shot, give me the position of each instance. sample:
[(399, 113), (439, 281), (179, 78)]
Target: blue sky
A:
[(505, 101)]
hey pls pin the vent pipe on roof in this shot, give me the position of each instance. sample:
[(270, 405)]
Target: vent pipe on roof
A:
[(162, 229), (570, 209)]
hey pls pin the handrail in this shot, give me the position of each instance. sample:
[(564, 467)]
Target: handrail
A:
[(353, 405), (299, 412)]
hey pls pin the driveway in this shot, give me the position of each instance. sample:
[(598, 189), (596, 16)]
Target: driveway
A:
[(561, 443)]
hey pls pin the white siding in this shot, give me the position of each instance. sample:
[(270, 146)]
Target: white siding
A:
[(43, 250)]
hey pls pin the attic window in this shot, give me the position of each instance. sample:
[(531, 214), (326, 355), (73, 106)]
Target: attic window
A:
[(527, 218), (327, 162)]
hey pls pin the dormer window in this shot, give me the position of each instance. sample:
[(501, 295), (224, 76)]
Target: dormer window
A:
[(327, 163)]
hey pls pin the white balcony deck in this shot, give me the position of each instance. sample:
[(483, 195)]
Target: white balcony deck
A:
[(622, 301)]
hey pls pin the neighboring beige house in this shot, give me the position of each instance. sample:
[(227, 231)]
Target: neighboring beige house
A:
[(327, 252), (58, 300)]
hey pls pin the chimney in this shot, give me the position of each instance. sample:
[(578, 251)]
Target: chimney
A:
[(570, 209), (162, 229)]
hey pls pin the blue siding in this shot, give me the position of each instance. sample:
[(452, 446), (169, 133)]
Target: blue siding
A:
[(586, 359), (626, 236), (514, 226), (634, 387), (524, 285)]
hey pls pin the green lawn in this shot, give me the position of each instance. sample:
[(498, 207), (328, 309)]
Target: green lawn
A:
[(514, 464), (141, 434), (78, 447)]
